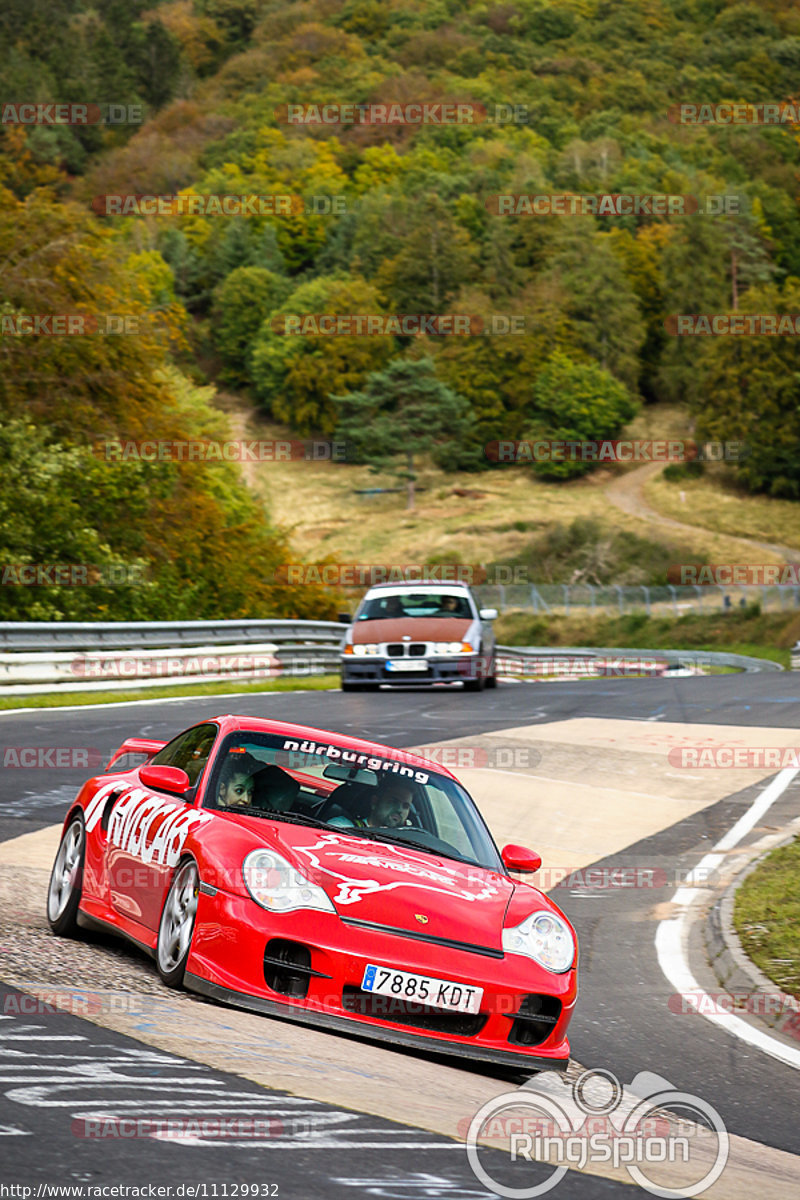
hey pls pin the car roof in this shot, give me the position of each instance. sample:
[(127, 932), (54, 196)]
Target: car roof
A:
[(231, 723), (418, 585)]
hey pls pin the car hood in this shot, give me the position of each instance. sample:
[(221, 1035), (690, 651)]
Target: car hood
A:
[(419, 629), (403, 888)]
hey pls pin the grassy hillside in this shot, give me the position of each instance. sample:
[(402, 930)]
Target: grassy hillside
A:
[(763, 635), (560, 533), (392, 217)]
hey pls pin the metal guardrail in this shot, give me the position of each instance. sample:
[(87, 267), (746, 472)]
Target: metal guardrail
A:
[(127, 635), (42, 657), (689, 658)]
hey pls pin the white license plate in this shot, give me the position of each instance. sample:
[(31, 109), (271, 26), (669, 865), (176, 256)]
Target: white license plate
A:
[(406, 664), (422, 989)]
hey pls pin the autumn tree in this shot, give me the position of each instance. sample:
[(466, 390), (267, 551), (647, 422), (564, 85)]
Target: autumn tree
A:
[(242, 302), (576, 402), (296, 370)]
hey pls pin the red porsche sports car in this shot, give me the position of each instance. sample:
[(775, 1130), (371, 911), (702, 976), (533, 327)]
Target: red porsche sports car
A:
[(322, 878)]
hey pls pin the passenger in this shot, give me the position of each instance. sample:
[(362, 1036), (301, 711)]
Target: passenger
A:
[(450, 606), (236, 783)]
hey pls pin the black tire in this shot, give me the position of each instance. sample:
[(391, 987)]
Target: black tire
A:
[(491, 680), (66, 880), (176, 927), (359, 687), (474, 685)]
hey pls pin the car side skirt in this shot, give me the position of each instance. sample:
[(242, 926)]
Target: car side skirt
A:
[(86, 921)]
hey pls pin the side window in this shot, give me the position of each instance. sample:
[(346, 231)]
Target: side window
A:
[(189, 751)]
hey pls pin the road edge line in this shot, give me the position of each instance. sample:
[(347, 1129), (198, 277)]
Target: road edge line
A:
[(672, 933)]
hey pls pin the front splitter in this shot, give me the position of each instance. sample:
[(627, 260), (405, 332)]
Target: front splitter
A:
[(397, 1037)]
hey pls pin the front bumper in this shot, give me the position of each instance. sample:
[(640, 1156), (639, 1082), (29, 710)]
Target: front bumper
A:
[(227, 963), (447, 669)]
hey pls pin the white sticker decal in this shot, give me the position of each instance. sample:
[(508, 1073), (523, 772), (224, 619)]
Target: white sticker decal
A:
[(94, 809), (137, 812), (351, 890)]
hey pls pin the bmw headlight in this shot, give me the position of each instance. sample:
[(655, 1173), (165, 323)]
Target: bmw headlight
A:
[(278, 886), (450, 648), (362, 648), (545, 938)]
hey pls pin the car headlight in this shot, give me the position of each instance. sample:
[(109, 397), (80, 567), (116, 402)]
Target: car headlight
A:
[(363, 648), (545, 938), (446, 647), (278, 886)]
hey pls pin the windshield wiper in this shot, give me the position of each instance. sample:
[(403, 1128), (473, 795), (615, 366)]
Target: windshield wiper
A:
[(396, 840), (294, 818)]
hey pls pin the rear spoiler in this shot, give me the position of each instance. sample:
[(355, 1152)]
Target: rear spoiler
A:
[(136, 746)]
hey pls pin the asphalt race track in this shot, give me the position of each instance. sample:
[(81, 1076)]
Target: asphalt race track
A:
[(384, 1122)]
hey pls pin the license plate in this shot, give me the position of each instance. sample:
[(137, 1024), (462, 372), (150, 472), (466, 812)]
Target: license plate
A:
[(422, 989), (406, 664)]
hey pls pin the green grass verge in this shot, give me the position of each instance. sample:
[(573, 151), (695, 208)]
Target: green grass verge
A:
[(767, 916), (761, 635), (316, 683)]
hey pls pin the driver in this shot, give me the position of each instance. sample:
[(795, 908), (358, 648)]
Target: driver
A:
[(389, 807), (391, 804)]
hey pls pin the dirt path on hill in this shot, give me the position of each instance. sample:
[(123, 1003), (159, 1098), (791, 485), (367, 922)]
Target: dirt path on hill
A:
[(627, 494)]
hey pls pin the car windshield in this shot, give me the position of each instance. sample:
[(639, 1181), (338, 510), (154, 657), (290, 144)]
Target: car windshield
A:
[(384, 607), (323, 784)]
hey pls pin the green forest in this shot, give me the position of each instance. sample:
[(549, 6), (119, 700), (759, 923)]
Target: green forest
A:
[(579, 96)]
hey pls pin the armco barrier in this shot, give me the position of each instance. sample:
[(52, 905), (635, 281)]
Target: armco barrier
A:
[(126, 635), (61, 656), (595, 655), (105, 656)]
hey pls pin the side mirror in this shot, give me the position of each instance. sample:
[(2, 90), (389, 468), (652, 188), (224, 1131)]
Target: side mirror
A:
[(519, 858), (165, 779), (344, 618), (488, 614)]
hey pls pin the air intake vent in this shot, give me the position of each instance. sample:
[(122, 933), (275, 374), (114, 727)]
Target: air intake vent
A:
[(287, 967), (535, 1020)]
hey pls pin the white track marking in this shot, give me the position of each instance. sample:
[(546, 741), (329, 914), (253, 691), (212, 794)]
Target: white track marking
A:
[(672, 933), (14, 712)]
